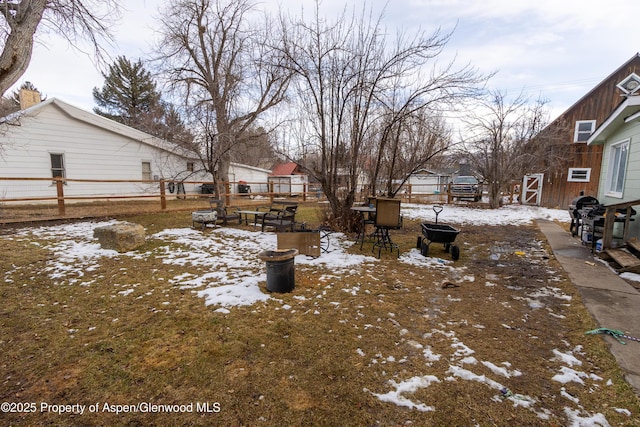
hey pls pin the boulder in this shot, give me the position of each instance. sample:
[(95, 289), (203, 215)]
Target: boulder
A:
[(122, 237)]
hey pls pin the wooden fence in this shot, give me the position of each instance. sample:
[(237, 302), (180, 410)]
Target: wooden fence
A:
[(63, 192)]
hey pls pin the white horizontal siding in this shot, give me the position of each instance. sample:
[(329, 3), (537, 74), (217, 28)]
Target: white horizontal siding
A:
[(90, 152)]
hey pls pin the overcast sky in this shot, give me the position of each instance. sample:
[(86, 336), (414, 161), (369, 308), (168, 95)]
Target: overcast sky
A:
[(559, 49)]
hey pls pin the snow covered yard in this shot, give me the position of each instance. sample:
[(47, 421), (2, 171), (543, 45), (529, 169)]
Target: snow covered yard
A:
[(493, 339)]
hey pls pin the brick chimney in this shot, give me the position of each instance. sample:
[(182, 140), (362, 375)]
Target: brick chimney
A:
[(29, 98)]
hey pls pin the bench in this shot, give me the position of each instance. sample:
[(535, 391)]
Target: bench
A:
[(281, 215)]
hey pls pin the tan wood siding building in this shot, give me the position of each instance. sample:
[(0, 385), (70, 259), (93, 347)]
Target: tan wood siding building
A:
[(579, 172)]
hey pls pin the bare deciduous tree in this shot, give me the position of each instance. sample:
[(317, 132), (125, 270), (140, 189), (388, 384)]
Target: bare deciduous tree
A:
[(413, 143), (505, 142), (353, 87), (73, 19), (220, 62)]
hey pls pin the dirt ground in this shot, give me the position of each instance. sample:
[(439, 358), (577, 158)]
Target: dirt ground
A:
[(493, 339)]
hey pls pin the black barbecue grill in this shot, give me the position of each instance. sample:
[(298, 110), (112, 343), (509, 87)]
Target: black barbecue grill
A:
[(578, 209)]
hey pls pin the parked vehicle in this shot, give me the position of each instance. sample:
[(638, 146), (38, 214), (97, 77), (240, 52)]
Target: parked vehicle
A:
[(466, 187)]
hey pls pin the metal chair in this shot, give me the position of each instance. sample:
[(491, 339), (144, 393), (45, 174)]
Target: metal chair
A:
[(387, 218), (225, 214)]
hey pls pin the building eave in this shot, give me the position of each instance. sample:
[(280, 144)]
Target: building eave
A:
[(628, 108)]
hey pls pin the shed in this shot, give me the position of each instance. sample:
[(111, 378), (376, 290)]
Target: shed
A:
[(288, 178)]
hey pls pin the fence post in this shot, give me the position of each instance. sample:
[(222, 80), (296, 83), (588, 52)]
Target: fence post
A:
[(60, 192), (448, 193), (163, 196), (304, 192), (409, 189), (271, 191)]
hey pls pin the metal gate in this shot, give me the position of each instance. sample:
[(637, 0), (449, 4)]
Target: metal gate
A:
[(532, 189)]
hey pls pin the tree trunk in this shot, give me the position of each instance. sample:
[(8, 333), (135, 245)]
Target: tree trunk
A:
[(494, 195), (18, 47)]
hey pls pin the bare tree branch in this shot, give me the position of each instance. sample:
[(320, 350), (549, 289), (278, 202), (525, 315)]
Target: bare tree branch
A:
[(73, 19)]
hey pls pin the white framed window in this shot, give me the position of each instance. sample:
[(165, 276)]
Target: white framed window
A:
[(579, 175), (57, 165), (618, 155), (630, 85), (146, 171), (583, 130)]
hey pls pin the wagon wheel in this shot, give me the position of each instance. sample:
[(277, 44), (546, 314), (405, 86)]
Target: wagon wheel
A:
[(324, 238), (455, 252), (424, 248)]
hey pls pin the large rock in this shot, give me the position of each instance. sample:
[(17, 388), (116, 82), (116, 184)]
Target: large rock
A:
[(122, 237)]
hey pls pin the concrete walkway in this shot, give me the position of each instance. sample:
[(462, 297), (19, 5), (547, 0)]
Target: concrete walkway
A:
[(612, 302)]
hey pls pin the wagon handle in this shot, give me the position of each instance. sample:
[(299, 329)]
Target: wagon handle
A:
[(437, 209)]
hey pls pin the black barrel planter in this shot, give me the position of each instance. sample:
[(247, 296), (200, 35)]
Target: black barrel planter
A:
[(280, 269)]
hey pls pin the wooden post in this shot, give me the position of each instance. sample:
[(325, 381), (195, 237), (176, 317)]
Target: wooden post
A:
[(410, 189), (627, 219), (60, 192), (607, 229), (163, 196), (304, 192), (448, 193), (271, 191), (227, 195)]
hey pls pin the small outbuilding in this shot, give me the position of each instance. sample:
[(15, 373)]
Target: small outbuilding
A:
[(288, 179)]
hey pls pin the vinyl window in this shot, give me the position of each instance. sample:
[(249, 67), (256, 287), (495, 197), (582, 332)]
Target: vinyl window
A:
[(57, 165), (583, 130), (618, 155), (146, 171)]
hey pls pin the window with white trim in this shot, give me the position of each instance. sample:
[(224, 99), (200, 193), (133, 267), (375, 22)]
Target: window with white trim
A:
[(146, 171), (583, 130), (57, 165), (618, 155), (579, 175)]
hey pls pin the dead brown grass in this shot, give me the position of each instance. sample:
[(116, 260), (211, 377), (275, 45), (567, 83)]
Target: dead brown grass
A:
[(316, 356)]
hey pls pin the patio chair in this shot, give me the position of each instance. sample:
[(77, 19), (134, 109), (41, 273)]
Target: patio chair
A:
[(387, 218), (281, 216), (225, 214)]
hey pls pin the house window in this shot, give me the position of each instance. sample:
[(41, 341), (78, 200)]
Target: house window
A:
[(146, 171), (584, 129), (618, 154), (579, 175), (57, 165), (189, 166)]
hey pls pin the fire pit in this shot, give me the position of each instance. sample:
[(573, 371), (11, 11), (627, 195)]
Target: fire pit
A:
[(280, 269)]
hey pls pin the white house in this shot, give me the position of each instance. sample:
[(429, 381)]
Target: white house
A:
[(425, 181), (254, 177), (56, 139)]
